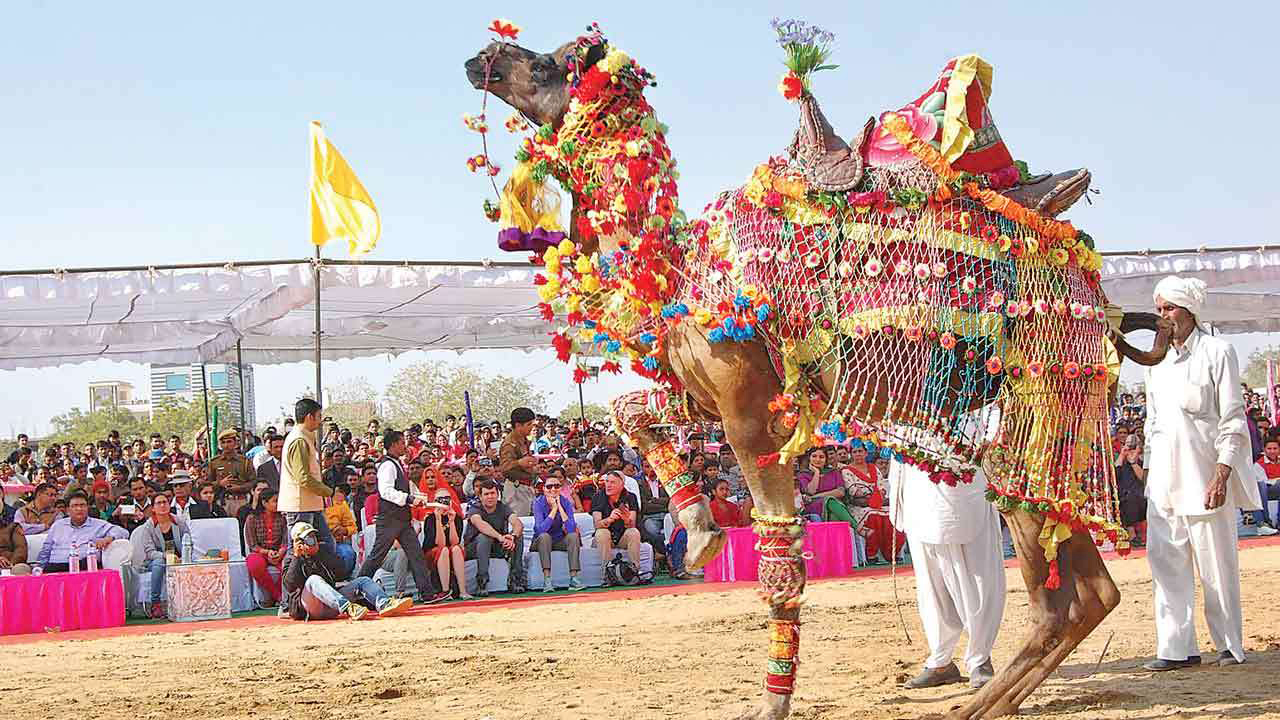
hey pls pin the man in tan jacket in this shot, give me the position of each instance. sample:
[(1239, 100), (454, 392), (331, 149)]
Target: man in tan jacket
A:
[(302, 491)]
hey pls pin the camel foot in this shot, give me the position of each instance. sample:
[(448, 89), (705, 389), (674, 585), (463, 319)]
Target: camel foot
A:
[(704, 546), (774, 707)]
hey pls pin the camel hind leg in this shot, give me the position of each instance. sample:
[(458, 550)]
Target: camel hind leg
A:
[(1060, 618)]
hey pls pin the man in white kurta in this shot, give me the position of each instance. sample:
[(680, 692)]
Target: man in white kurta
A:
[(954, 536), (1196, 483)]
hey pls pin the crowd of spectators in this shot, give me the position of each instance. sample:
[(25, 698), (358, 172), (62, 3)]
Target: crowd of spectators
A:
[(539, 467), (480, 484)]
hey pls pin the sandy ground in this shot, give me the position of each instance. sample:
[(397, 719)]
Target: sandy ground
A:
[(694, 656)]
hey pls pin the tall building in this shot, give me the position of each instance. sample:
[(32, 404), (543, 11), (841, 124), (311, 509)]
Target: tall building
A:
[(107, 394), (185, 381)]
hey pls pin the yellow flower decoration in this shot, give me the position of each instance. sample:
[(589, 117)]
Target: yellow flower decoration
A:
[(566, 247), (582, 265)]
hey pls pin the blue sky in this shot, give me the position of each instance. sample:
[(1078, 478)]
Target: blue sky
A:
[(152, 133)]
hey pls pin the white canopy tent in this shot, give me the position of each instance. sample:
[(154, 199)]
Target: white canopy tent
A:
[(1243, 283), (198, 313)]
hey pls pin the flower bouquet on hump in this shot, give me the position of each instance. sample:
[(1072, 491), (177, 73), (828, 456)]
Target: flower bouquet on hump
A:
[(808, 48)]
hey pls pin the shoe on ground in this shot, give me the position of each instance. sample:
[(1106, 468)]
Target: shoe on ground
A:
[(157, 611), (482, 591), (1162, 665), (395, 606), (282, 611), (517, 589), (575, 584), (1226, 659), (1266, 531), (981, 675), (356, 611), (547, 587), (934, 677), (680, 575), (436, 597)]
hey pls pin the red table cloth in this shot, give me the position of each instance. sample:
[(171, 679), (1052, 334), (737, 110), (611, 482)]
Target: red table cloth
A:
[(61, 601), (829, 544)]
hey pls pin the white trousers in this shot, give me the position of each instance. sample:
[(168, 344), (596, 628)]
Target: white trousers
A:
[(960, 588), (1177, 547)]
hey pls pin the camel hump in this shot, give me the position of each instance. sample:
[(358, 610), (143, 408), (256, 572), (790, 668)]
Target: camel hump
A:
[(1051, 195), (827, 162)]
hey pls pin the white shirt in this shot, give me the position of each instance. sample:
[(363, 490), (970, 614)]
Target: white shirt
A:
[(387, 484), (937, 513), (181, 512), (1195, 420)]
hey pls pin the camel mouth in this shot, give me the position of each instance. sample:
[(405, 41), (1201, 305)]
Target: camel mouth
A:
[(475, 68)]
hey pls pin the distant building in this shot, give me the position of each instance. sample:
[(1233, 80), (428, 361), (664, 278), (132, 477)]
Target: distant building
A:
[(185, 382), (108, 394)]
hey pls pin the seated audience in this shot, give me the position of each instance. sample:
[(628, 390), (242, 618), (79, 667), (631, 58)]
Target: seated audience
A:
[(266, 535), (725, 511), (1131, 480), (554, 528), (206, 506), (615, 512), (13, 547), (79, 531), (133, 509), (153, 541), (342, 523), (41, 513), (310, 580), (442, 542), (494, 531)]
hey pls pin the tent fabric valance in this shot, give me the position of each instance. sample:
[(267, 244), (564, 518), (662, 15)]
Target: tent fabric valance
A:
[(192, 314), (1243, 284)]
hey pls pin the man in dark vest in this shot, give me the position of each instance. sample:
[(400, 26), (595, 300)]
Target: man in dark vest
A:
[(395, 520)]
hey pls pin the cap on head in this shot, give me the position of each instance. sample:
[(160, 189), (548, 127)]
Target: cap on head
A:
[(301, 530), (226, 434), (521, 415)]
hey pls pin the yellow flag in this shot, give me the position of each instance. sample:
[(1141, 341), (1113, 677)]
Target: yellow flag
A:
[(340, 206)]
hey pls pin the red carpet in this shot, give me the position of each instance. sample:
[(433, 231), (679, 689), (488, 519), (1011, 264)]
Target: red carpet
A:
[(498, 603)]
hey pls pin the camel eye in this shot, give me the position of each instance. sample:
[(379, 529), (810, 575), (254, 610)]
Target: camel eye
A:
[(543, 71)]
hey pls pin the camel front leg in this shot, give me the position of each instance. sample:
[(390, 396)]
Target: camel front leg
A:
[(635, 415), (1061, 618), (781, 541)]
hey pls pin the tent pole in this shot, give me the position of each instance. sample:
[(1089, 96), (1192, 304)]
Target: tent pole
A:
[(317, 282), (240, 369), (204, 390)]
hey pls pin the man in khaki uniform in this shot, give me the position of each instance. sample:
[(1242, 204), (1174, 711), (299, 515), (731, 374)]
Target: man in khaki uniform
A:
[(232, 472)]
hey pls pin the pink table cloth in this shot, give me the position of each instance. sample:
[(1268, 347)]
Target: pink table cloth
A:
[(828, 542), (61, 601)]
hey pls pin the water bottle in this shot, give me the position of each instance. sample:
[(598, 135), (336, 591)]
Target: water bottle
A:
[(92, 559), (188, 549), (73, 558)]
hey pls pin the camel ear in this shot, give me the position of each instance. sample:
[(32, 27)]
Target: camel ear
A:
[(828, 163), (595, 54)]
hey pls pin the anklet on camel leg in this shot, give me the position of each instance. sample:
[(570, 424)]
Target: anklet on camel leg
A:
[(674, 475), (782, 580)]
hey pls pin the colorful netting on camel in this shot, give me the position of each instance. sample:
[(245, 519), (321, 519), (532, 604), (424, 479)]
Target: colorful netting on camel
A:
[(920, 314)]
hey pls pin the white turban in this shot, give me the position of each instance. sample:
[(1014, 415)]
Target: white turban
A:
[(1183, 292)]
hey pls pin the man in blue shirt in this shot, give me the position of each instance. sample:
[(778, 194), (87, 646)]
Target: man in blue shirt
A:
[(89, 534), (555, 529)]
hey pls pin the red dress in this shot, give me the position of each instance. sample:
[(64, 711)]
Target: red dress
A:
[(881, 537)]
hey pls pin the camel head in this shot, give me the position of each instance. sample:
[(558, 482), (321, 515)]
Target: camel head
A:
[(535, 84)]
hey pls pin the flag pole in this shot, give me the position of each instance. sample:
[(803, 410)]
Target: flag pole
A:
[(317, 283), (311, 219)]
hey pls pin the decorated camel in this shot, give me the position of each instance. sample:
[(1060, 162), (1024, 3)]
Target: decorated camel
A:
[(909, 292)]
